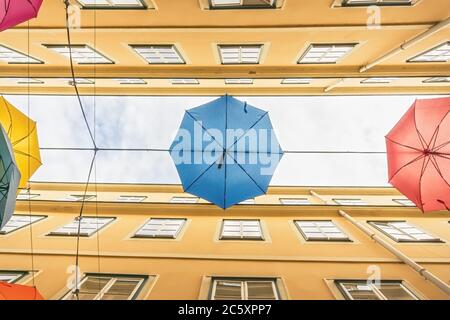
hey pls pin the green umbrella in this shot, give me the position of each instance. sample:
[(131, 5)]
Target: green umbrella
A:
[(9, 179)]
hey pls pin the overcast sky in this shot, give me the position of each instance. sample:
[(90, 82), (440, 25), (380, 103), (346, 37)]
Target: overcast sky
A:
[(301, 123)]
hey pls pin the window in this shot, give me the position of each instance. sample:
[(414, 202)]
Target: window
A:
[(350, 202), (159, 54), (12, 276), (402, 231), (242, 4), (439, 54), (238, 81), (320, 230), (18, 222), (248, 202), (184, 200), (241, 229), (131, 198), (28, 81), (112, 4), (355, 3), (79, 197), (296, 81), (108, 287), (240, 54), (81, 54), (295, 201), (79, 81), (365, 290), (88, 226), (161, 228), (325, 53), (378, 80), (14, 57), (27, 195), (131, 81), (184, 81), (405, 202), (437, 80), (244, 289)]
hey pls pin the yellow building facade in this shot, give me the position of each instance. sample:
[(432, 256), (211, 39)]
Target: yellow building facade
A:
[(292, 243)]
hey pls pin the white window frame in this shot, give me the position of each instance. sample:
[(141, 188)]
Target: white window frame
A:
[(131, 81), (25, 196), (437, 80), (184, 81), (416, 59), (241, 230), (184, 200), (59, 232), (157, 235), (241, 5), (374, 224), (56, 47), (29, 59), (379, 80), (348, 296), (131, 199), (79, 197), (240, 48), (294, 81), (15, 275), (244, 286), (243, 81), (113, 278), (247, 202), (155, 48), (25, 224), (368, 3), (330, 46), (321, 230), (291, 201), (403, 202), (111, 5), (341, 201)]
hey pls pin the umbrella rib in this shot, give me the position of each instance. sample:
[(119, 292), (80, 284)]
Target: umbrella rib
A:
[(225, 153), (206, 130), (6, 10), (27, 155), (201, 175), (27, 136), (243, 135), (405, 165), (421, 139), (32, 5), (436, 166), (403, 145), (10, 116), (242, 168)]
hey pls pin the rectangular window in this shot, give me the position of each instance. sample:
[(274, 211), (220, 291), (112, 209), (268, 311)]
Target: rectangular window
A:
[(184, 200), (79, 197), (295, 201), (439, 54), (81, 54), (131, 198), (365, 290), (350, 202), (131, 81), (161, 228), (18, 222), (378, 80), (405, 202), (108, 287), (401, 231), (87, 227), (27, 196), (15, 57), (12, 276), (357, 3), (248, 202), (184, 81), (113, 4), (242, 4), (326, 53), (241, 230), (437, 80), (28, 81), (238, 81), (240, 54), (320, 230), (159, 54), (244, 289), (296, 81), (78, 81)]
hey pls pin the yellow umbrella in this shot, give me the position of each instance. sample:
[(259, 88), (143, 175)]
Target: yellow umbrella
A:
[(22, 133)]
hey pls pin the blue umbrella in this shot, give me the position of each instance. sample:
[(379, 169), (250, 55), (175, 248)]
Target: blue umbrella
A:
[(9, 179), (226, 151)]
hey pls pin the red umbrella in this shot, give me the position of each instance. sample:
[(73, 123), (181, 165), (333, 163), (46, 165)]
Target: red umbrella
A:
[(418, 149), (9, 291), (13, 12)]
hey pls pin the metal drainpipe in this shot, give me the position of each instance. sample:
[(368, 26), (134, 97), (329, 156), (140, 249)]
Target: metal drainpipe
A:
[(417, 267), (437, 27)]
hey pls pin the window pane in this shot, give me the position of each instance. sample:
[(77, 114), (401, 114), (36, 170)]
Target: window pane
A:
[(395, 291), (260, 290), (228, 290)]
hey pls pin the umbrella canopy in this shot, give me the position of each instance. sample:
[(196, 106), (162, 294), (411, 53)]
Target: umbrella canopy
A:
[(418, 150), (22, 133), (10, 291), (9, 179), (226, 151), (14, 12)]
